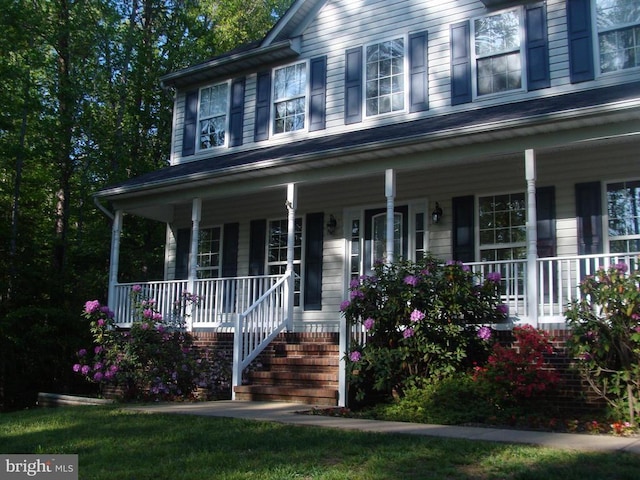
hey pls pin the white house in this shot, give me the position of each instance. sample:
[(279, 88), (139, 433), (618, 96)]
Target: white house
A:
[(504, 134)]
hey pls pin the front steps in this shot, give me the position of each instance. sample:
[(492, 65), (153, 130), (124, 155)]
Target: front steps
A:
[(296, 367)]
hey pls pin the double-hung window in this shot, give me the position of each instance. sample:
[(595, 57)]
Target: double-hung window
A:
[(277, 251), (502, 221), (290, 98), (213, 116), (497, 47), (623, 208), (618, 23), (209, 252), (385, 77)]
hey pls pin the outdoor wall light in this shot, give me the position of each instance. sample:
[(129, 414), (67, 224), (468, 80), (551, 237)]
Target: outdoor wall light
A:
[(332, 225), (436, 215)]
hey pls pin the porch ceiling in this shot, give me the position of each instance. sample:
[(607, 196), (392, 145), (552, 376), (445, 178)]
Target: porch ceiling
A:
[(448, 140)]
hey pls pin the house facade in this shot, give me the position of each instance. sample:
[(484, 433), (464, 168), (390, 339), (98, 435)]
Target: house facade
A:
[(502, 134)]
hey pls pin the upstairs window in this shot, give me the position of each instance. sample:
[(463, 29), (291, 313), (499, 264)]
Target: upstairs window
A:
[(497, 42), (385, 77), (212, 116), (290, 103), (618, 23)]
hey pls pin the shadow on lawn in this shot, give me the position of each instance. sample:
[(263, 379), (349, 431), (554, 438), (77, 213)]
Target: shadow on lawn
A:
[(113, 444)]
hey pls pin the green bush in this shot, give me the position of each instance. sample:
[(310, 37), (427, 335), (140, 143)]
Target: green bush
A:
[(605, 326), (424, 321)]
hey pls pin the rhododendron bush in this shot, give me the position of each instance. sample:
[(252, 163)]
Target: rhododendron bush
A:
[(423, 321), (154, 359)]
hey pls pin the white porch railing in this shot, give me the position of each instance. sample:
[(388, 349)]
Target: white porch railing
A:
[(558, 282), (257, 326)]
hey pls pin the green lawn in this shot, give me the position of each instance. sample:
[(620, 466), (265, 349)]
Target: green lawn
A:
[(115, 444)]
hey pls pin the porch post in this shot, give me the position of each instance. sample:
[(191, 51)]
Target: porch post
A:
[(196, 215), (390, 193), (292, 204), (532, 236), (116, 232)]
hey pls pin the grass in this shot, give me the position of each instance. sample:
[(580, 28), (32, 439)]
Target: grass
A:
[(112, 443)]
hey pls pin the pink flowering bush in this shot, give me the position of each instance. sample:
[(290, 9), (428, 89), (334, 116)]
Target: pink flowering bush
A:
[(423, 321), (605, 325), (154, 359)]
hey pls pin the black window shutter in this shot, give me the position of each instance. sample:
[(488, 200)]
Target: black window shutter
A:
[(419, 74), (580, 42), (537, 47), (190, 126), (183, 244), (314, 234), (589, 218), (236, 114), (463, 228), (546, 222), (257, 246), (230, 249), (317, 104), (263, 106), (460, 63), (353, 86)]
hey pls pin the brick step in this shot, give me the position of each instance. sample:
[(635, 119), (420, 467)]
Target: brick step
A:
[(304, 349), (310, 338), (302, 379), (300, 362), (308, 396)]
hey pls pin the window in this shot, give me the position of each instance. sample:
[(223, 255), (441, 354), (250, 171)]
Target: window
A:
[(290, 104), (379, 230), (502, 221), (623, 208), (209, 249), (618, 24), (498, 52), (212, 122), (277, 251), (385, 77)]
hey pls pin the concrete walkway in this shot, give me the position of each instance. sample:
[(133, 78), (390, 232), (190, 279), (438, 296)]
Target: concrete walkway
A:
[(288, 413)]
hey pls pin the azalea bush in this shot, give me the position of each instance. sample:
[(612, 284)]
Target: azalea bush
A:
[(423, 321), (519, 374), (154, 359), (605, 325)]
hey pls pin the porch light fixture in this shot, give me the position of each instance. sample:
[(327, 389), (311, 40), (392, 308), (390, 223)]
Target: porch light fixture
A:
[(436, 215), (332, 225)]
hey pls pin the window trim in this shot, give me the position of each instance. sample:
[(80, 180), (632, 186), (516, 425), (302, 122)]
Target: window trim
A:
[(406, 74), (522, 50), (596, 43), (226, 122), (307, 95), (218, 268), (496, 246), (605, 215)]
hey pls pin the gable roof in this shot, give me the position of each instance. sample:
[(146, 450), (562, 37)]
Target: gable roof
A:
[(533, 116)]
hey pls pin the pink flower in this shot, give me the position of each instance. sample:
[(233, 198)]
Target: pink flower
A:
[(411, 280), (77, 367), (502, 309), (344, 305), (101, 322), (355, 356), (484, 333), (82, 352), (136, 288), (147, 313), (494, 277), (92, 306), (408, 333), (85, 369), (417, 315), (368, 323)]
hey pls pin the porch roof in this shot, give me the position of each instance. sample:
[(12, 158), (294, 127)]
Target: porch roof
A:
[(591, 108)]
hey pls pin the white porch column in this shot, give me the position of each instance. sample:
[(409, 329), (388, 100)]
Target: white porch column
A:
[(116, 232), (196, 215), (532, 236), (292, 204), (390, 193)]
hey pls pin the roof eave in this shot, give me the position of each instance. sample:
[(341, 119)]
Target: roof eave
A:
[(230, 65)]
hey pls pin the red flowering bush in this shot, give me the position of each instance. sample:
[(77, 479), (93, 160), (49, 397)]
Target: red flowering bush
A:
[(516, 374)]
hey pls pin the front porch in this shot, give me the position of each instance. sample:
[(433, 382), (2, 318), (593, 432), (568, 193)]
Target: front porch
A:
[(258, 306)]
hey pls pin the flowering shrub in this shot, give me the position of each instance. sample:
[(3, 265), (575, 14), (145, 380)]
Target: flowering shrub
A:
[(514, 376), (605, 325), (422, 322), (152, 360)]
